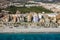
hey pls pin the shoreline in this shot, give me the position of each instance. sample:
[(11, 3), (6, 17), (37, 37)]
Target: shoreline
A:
[(30, 30)]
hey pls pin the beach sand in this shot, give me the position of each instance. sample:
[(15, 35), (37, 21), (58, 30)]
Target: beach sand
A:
[(27, 30)]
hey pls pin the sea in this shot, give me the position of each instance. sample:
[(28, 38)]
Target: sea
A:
[(29, 36)]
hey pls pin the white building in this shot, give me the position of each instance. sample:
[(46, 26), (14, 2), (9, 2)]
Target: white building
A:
[(52, 14)]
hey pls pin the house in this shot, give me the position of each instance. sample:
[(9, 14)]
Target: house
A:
[(35, 17), (17, 12), (29, 17), (58, 17), (52, 17), (5, 18), (40, 15), (14, 18), (58, 22), (52, 14), (41, 21)]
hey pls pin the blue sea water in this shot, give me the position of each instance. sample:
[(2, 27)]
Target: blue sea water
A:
[(29, 36)]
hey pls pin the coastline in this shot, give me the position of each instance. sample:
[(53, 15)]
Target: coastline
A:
[(30, 30)]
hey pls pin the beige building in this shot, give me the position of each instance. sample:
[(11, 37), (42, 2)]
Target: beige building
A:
[(58, 22), (58, 18), (29, 17), (14, 18), (5, 18), (41, 21)]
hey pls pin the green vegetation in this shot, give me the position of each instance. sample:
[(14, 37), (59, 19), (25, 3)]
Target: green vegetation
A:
[(12, 9), (24, 9)]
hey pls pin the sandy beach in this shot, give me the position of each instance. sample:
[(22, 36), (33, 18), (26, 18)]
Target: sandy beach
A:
[(27, 30)]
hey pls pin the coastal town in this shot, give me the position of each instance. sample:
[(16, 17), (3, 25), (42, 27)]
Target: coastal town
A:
[(20, 19)]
